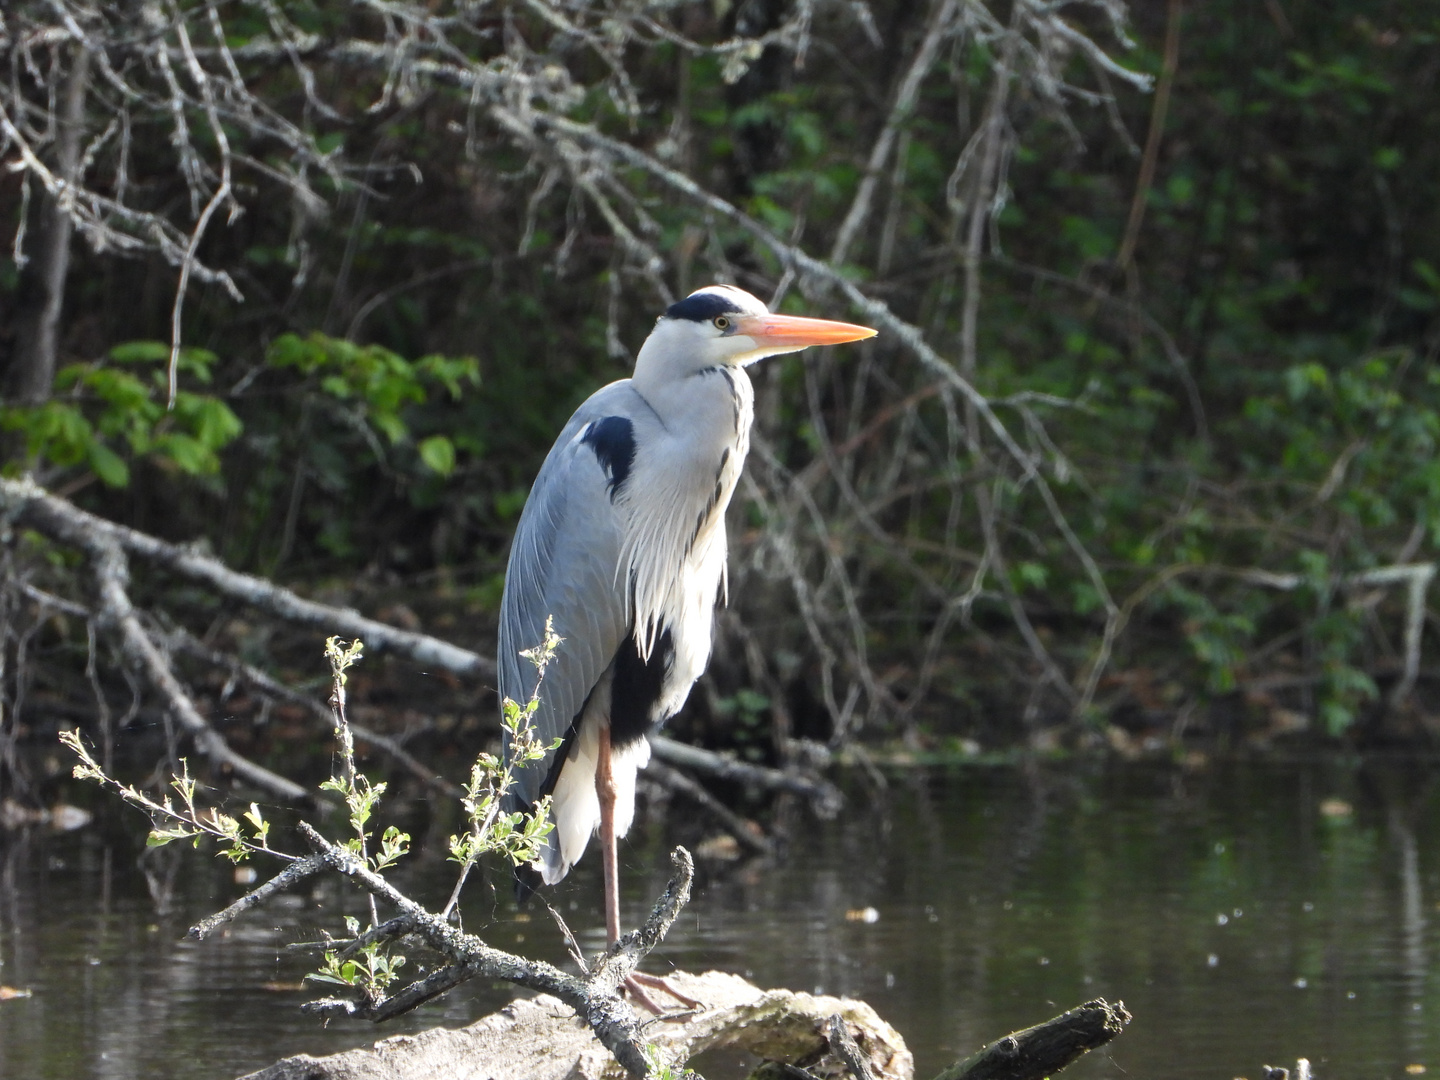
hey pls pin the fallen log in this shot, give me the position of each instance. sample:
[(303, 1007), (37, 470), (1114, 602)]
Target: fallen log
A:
[(31, 506), (541, 1039)]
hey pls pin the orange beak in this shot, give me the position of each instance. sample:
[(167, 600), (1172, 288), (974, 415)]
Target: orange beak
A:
[(792, 332)]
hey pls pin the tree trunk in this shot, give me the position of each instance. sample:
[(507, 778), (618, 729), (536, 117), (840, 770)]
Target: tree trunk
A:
[(41, 294)]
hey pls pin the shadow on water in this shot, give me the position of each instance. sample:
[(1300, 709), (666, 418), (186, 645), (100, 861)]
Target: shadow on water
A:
[(1245, 912)]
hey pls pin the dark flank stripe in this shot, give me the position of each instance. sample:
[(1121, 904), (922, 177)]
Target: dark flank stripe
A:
[(613, 440), (734, 398), (636, 688), (710, 506)]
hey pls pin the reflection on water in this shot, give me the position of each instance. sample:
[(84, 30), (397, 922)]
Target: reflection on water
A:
[(1245, 913)]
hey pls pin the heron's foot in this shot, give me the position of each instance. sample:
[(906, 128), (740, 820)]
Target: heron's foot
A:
[(637, 983)]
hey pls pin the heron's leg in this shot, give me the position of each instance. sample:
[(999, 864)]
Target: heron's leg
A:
[(605, 789)]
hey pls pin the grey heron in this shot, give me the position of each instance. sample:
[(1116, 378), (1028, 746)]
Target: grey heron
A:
[(622, 544)]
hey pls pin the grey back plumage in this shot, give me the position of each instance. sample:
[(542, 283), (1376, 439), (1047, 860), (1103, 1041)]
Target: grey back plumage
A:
[(563, 565)]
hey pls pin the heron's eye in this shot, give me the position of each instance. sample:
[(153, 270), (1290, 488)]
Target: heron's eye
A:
[(722, 323)]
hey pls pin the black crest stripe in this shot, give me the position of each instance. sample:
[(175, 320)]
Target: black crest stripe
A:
[(701, 307), (613, 440)]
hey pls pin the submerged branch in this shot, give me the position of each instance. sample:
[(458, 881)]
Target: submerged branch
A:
[(825, 796), (1045, 1049)]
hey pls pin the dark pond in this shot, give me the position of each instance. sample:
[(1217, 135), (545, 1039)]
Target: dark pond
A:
[(1245, 913)]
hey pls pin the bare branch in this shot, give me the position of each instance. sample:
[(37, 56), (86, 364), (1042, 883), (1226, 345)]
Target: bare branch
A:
[(294, 873), (62, 521), (110, 573)]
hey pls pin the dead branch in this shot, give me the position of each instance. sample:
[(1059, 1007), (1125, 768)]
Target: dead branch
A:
[(941, 25), (42, 293), (110, 572), (842, 1044), (825, 796), (30, 505), (296, 872), (181, 640), (730, 821), (1416, 577)]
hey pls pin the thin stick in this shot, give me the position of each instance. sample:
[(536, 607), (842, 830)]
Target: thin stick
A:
[(1152, 139)]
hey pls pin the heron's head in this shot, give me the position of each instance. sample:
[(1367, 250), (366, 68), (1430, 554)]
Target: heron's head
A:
[(721, 324)]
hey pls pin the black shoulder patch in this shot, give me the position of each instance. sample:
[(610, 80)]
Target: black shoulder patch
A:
[(613, 440), (701, 307)]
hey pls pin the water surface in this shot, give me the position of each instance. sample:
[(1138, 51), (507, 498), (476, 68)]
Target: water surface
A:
[(1244, 912)]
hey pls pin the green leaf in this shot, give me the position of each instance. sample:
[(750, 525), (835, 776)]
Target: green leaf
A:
[(108, 465), (191, 455), (210, 419), (391, 426), (140, 352), (438, 453)]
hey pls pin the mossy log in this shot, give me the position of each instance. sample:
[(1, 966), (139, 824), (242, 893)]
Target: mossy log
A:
[(541, 1039)]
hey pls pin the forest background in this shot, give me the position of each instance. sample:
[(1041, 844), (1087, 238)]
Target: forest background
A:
[(1144, 452)]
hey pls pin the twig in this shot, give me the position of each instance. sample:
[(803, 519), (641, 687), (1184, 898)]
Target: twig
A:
[(1158, 109), (937, 30), (295, 872)]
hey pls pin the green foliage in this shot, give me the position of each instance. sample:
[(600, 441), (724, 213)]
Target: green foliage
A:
[(102, 414), (1220, 641), (376, 381), (108, 414), (662, 1068), (366, 967), (362, 961), (517, 837), (186, 820)]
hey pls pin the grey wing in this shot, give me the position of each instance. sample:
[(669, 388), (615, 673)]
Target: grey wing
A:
[(562, 565)]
